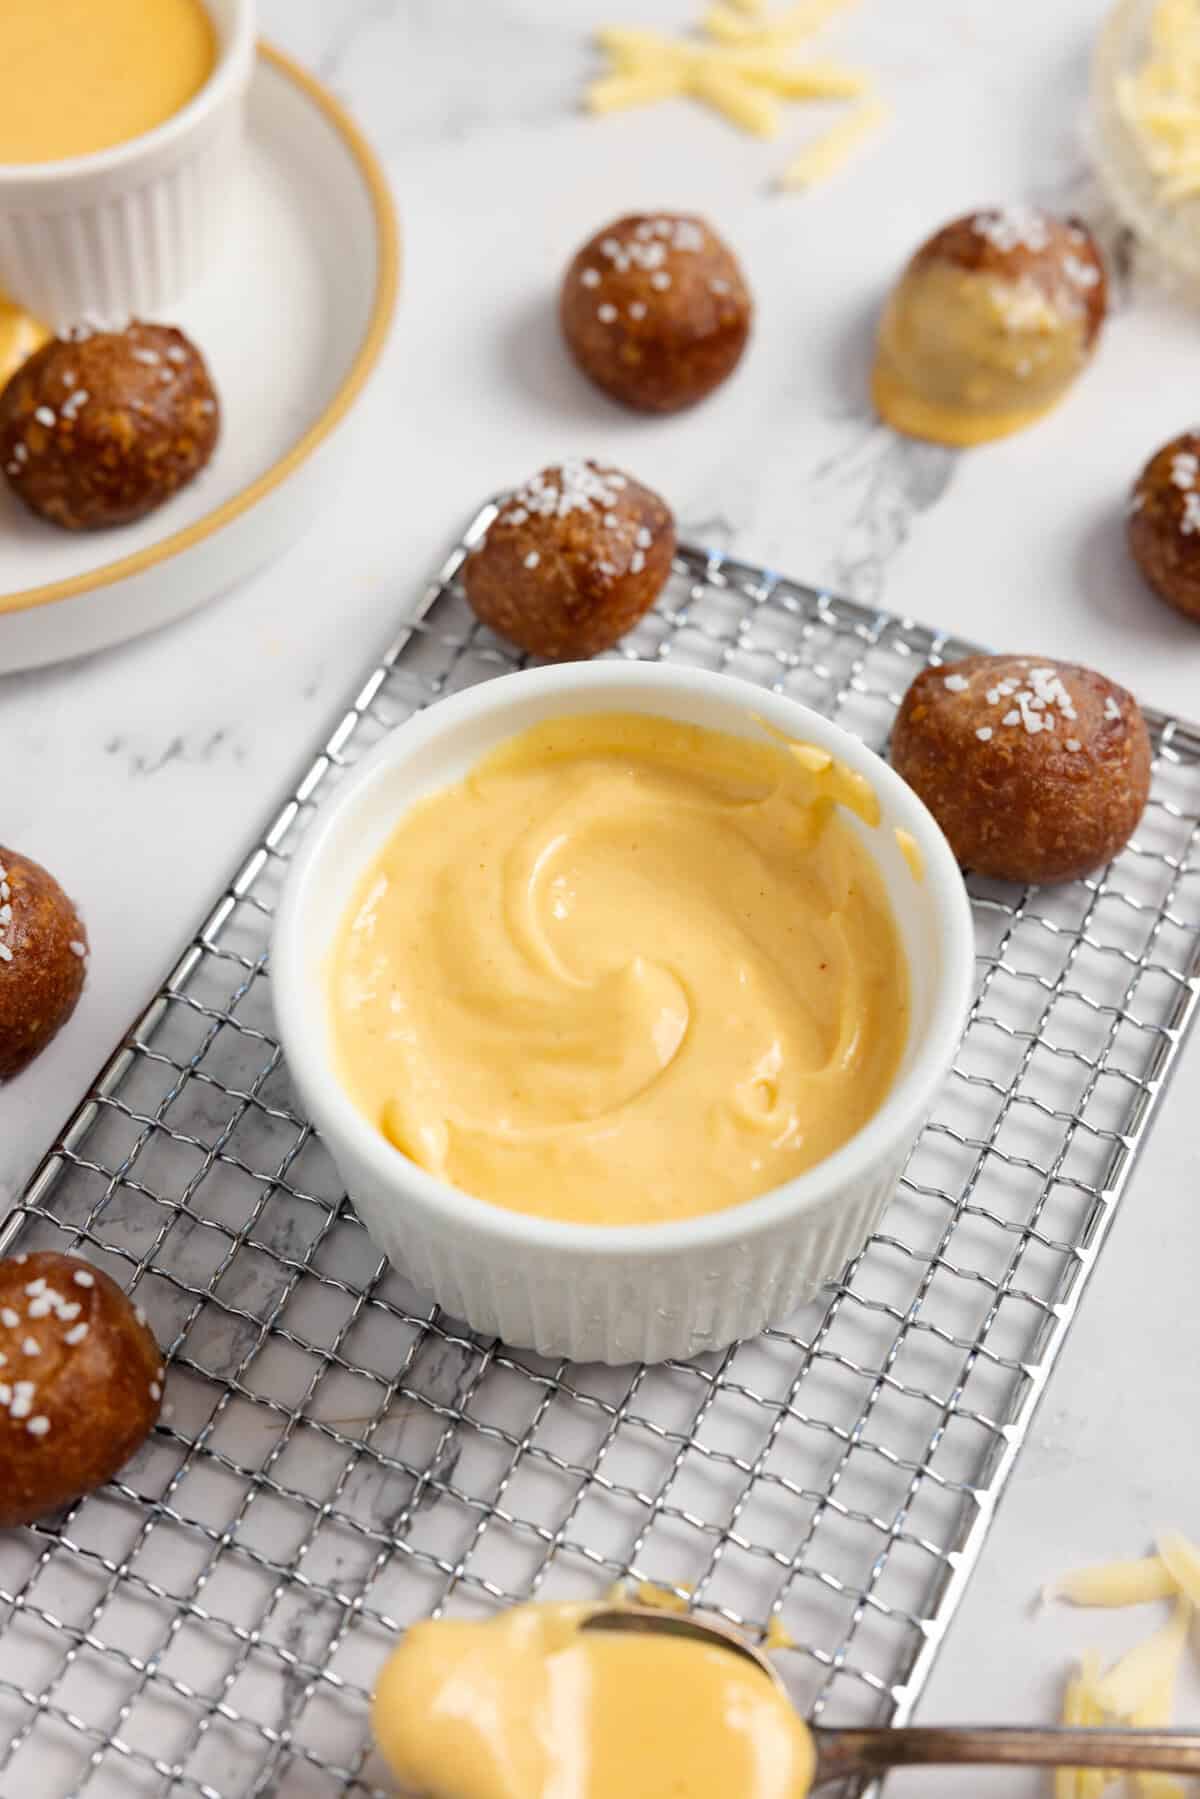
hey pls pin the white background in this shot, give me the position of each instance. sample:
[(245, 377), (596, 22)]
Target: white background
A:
[(138, 775)]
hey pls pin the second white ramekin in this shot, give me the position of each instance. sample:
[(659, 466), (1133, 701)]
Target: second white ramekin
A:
[(127, 230), (624, 1292)]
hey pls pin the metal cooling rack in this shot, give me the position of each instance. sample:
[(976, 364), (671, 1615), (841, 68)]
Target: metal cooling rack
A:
[(340, 1458)]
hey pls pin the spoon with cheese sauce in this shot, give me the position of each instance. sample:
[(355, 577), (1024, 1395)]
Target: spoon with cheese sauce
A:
[(561, 1701), (847, 1754)]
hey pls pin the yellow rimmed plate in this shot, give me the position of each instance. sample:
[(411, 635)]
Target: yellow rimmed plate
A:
[(292, 322)]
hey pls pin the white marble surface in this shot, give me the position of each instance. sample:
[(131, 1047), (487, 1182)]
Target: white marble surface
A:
[(138, 775)]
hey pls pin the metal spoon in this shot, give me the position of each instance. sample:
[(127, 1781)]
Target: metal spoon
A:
[(845, 1754)]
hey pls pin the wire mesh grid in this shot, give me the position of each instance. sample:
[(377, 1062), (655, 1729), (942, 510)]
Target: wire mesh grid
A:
[(339, 1458)]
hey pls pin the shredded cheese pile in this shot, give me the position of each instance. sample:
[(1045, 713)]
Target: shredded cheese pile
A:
[(1160, 101), (1140, 1688), (740, 65)]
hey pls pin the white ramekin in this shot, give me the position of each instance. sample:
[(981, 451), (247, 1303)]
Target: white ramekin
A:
[(125, 231), (623, 1292)]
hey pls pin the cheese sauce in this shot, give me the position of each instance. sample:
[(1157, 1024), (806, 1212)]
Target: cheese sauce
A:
[(78, 76), (627, 971), (20, 336), (526, 1706), (966, 356)]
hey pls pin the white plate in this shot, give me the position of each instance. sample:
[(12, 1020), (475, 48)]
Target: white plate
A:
[(292, 323)]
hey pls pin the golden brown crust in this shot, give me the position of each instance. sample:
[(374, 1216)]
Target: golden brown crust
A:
[(41, 973), (99, 429), (80, 1382), (1164, 523), (656, 311), (572, 561), (1059, 255), (1019, 800)]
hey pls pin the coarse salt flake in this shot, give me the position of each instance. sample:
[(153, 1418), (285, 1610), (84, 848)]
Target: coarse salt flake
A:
[(661, 280), (77, 948), (38, 1427), (532, 560), (1111, 708), (1073, 744), (45, 416), (590, 277), (9, 1318), (76, 1334), (1083, 274), (637, 309), (82, 1278), (956, 683), (984, 733), (637, 562), (31, 1346), (607, 314), (1009, 228)]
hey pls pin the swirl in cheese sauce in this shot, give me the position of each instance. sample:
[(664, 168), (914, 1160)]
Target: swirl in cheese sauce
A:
[(626, 971)]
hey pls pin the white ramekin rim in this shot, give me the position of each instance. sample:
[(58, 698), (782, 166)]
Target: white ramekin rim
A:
[(230, 72), (303, 1023)]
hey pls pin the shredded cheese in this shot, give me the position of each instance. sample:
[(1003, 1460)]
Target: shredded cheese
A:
[(740, 100), (1140, 1688), (742, 72), (1136, 1678), (1156, 1714), (1160, 101), (1082, 1710), (789, 27), (616, 92), (827, 154), (1115, 1583), (800, 81), (1182, 1561), (629, 46)]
